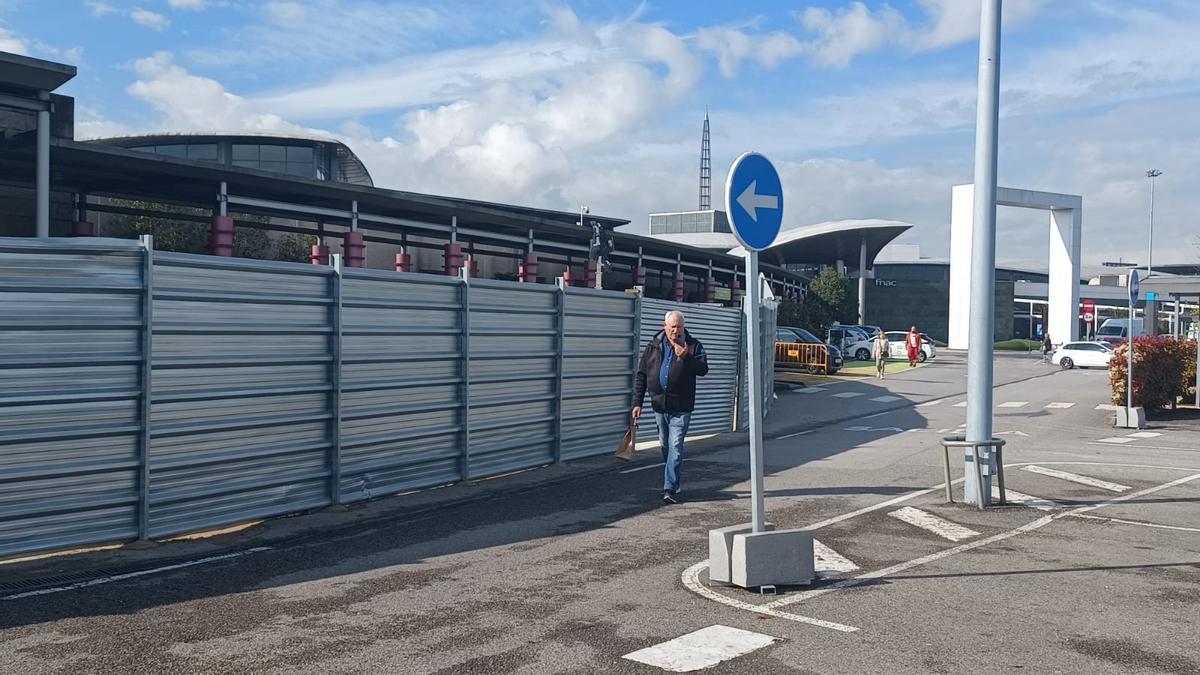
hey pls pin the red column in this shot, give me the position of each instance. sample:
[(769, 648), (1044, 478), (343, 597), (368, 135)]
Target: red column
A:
[(589, 274), (354, 249), (567, 280), (319, 255), (710, 289), (454, 260), (529, 269), (639, 276), (82, 228), (677, 287), (403, 262), (221, 241)]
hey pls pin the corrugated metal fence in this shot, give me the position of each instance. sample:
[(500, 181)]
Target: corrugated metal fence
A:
[(279, 387)]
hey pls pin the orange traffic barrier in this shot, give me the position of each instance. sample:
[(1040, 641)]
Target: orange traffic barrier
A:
[(802, 355)]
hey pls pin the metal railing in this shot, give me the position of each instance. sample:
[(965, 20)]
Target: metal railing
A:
[(802, 355), (961, 442)]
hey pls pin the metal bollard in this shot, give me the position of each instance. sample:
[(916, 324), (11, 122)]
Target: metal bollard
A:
[(961, 442)]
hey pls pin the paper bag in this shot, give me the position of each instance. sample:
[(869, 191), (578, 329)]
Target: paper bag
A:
[(626, 446)]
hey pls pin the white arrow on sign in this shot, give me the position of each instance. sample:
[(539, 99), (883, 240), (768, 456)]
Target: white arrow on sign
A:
[(752, 201)]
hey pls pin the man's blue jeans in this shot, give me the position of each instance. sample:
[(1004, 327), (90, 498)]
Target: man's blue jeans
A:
[(672, 428)]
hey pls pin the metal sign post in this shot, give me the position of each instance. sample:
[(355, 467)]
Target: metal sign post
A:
[(1133, 296), (754, 202)]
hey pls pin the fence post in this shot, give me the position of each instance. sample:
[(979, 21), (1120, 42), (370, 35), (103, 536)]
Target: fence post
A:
[(561, 326), (143, 515), (739, 377), (636, 339), (337, 262), (465, 372)]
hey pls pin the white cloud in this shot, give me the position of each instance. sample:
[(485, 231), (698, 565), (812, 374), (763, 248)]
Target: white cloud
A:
[(191, 5), (99, 9), (151, 20), (11, 42), (732, 46), (285, 12), (845, 33)]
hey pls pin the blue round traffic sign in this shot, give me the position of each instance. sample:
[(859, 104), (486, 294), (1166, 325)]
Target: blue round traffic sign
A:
[(754, 201), (1134, 286)]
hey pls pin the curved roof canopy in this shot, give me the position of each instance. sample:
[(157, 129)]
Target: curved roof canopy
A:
[(824, 243)]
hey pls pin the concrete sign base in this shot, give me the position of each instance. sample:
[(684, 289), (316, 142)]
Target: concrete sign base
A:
[(720, 551), (780, 558), (1131, 418)]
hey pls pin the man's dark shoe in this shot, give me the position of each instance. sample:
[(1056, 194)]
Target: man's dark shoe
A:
[(669, 498)]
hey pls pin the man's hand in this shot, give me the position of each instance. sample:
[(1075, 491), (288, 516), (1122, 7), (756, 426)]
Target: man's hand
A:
[(680, 350), (637, 412)]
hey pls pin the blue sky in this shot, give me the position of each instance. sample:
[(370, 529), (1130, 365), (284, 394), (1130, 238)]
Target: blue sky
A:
[(867, 108)]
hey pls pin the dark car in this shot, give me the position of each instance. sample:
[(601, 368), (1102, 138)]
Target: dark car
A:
[(834, 360)]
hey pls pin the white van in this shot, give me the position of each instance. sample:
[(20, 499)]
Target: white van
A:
[(1116, 331)]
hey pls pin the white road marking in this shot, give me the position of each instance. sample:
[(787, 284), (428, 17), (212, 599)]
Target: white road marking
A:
[(848, 394), (691, 579), (701, 649), (960, 404), (962, 548), (1106, 406), (1136, 522), (926, 404), (1144, 434), (798, 433), (142, 573), (829, 563), (1013, 404), (810, 390), (1060, 405), (928, 521), (643, 468), (1014, 497), (878, 414), (1076, 478), (886, 399), (1116, 439)]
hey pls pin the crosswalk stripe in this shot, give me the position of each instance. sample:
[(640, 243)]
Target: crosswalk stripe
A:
[(928, 521), (1106, 406), (1060, 405), (1076, 478), (1144, 434), (1014, 497), (704, 648), (1013, 404), (848, 394), (886, 399), (830, 563), (1117, 439), (810, 390)]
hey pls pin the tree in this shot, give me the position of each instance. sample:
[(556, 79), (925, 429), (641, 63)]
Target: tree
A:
[(833, 291)]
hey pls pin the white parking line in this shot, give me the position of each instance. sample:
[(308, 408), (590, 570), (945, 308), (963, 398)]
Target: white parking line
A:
[(798, 433), (1076, 478), (928, 521), (926, 404), (1106, 406), (848, 394), (1135, 522), (700, 649), (809, 390), (1144, 434), (691, 580), (1013, 404), (642, 468), (960, 404), (1060, 405), (886, 399), (1117, 440), (829, 563), (1014, 497)]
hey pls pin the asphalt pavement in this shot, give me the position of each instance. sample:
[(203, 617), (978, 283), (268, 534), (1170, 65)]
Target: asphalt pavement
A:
[(1094, 566)]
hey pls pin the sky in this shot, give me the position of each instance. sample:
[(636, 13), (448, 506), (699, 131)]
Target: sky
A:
[(866, 108)]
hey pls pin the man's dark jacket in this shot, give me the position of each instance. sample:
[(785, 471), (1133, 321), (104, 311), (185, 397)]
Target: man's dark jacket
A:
[(680, 396)]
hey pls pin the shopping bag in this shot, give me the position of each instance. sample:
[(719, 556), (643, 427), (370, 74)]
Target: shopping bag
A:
[(626, 446)]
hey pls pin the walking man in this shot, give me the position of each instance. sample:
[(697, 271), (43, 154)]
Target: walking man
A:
[(670, 364), (879, 349), (912, 342), (1047, 348)]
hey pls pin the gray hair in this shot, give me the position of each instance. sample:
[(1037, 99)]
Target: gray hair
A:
[(673, 313)]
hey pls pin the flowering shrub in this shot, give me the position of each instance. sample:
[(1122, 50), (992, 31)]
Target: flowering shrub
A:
[(1163, 370)]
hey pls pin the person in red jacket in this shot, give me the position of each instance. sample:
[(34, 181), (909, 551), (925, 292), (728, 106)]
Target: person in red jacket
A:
[(912, 342), (670, 364)]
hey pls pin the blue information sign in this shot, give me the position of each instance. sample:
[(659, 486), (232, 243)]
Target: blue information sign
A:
[(754, 201), (1133, 286)]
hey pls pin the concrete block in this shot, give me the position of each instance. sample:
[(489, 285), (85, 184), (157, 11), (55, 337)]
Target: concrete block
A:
[(720, 550), (780, 558), (1134, 418)]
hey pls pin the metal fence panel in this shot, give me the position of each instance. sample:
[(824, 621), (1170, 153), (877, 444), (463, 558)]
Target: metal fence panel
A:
[(719, 329), (402, 403), (600, 345), (241, 397), (767, 319), (70, 387), (514, 375)]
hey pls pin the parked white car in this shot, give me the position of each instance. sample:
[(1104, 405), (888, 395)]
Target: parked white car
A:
[(1082, 355), (897, 350)]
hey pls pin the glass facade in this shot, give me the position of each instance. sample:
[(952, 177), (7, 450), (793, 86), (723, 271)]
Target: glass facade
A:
[(313, 160), (688, 222)]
